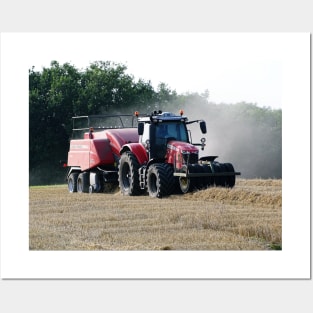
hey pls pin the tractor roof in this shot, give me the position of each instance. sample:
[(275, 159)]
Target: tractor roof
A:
[(158, 116)]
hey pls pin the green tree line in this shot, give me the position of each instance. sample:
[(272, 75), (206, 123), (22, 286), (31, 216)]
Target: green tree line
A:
[(59, 92)]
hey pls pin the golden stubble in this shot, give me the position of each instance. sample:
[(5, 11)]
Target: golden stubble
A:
[(247, 217)]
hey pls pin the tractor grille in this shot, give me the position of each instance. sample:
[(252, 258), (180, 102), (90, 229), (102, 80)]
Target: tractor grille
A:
[(193, 158)]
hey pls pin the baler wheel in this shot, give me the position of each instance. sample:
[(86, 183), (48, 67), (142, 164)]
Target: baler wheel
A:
[(83, 182), (72, 182)]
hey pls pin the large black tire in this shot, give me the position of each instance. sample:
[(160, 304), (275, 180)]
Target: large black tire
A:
[(128, 176), (200, 182), (224, 179), (83, 182), (208, 180), (160, 180), (231, 180), (72, 182), (218, 180)]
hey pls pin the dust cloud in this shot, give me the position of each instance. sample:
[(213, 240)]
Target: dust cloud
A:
[(243, 134)]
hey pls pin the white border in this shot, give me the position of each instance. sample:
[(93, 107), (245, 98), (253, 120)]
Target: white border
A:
[(292, 262)]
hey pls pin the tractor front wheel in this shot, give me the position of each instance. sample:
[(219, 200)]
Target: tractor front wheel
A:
[(184, 182)]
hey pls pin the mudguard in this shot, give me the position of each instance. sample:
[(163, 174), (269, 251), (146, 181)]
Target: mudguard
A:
[(138, 150)]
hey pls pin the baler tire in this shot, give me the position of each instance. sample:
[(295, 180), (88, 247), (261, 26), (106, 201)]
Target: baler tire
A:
[(128, 175), (160, 180), (72, 182), (83, 183)]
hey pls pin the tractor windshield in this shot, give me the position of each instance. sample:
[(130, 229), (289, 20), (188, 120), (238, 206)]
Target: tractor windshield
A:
[(172, 131)]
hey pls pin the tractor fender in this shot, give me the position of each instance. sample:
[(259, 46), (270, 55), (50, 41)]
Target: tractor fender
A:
[(138, 150)]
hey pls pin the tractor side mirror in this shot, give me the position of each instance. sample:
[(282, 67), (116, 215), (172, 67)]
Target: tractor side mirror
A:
[(140, 128), (203, 127)]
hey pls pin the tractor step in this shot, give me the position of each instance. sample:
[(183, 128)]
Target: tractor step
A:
[(142, 174)]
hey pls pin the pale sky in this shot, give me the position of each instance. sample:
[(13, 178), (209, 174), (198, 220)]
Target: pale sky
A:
[(234, 67), (259, 68)]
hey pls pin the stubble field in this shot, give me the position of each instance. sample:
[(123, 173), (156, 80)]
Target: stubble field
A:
[(247, 217)]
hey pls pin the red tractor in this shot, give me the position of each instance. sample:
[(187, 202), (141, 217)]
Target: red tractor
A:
[(156, 156)]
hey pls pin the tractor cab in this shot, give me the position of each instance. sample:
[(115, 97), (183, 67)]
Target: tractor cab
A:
[(160, 129)]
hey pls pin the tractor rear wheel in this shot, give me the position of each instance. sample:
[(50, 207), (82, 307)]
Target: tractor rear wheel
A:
[(72, 182), (128, 176), (160, 180)]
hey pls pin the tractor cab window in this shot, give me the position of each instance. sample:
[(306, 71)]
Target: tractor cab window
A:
[(171, 131), (161, 133)]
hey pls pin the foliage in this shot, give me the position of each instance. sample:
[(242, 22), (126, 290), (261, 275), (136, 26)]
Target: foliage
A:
[(61, 91)]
